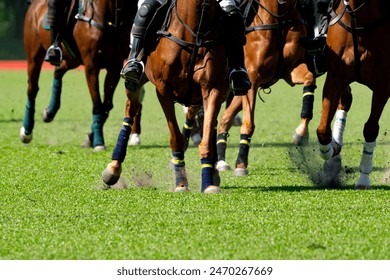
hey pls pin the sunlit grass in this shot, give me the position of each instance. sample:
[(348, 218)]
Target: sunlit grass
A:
[(53, 205)]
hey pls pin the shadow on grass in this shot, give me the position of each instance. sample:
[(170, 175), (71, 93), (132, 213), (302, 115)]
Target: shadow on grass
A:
[(308, 162)]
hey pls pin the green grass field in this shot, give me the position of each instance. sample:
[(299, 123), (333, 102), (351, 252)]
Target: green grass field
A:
[(52, 205)]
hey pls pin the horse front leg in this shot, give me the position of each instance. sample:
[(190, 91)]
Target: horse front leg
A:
[(207, 147), (111, 174), (332, 167), (176, 143), (370, 132), (332, 92), (33, 71), (225, 123)]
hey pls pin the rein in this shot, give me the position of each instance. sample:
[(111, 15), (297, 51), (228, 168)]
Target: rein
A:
[(105, 23)]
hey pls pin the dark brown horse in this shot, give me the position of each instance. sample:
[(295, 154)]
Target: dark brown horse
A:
[(98, 39), (272, 52), (187, 66), (358, 46)]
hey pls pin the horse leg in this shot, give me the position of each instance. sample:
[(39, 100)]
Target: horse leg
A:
[(189, 123), (301, 75), (370, 132), (111, 174), (55, 99), (33, 70), (95, 139), (332, 92), (246, 132), (207, 147), (197, 132), (136, 128), (332, 167), (176, 143), (225, 124)]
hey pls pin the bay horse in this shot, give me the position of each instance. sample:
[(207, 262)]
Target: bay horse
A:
[(357, 51), (98, 39), (187, 66), (272, 52)]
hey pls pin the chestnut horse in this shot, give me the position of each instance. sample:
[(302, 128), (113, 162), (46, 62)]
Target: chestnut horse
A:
[(272, 52), (98, 39), (357, 50), (188, 66)]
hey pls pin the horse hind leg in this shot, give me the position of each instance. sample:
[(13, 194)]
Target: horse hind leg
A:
[(300, 136), (55, 100), (225, 124), (371, 130), (135, 139)]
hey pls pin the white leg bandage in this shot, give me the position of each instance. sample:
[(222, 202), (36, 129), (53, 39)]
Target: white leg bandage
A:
[(338, 126)]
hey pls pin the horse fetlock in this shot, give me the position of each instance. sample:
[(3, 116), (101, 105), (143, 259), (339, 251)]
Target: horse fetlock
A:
[(326, 151)]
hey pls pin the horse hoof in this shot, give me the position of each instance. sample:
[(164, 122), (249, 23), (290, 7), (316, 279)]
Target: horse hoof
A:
[(300, 140), (135, 140), (23, 137), (240, 172), (212, 189), (47, 116), (182, 189), (363, 183), (87, 142), (237, 120), (99, 148), (109, 178), (196, 139), (222, 166), (331, 171)]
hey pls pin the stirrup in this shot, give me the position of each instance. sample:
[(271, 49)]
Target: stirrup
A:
[(133, 70), (54, 55), (239, 81)]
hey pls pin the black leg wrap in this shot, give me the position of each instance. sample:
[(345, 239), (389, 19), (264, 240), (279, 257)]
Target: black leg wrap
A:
[(179, 167), (221, 145), (119, 152), (307, 102), (186, 132), (244, 149)]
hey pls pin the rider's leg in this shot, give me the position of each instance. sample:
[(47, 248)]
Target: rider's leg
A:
[(316, 46), (134, 67), (55, 18), (235, 27)]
